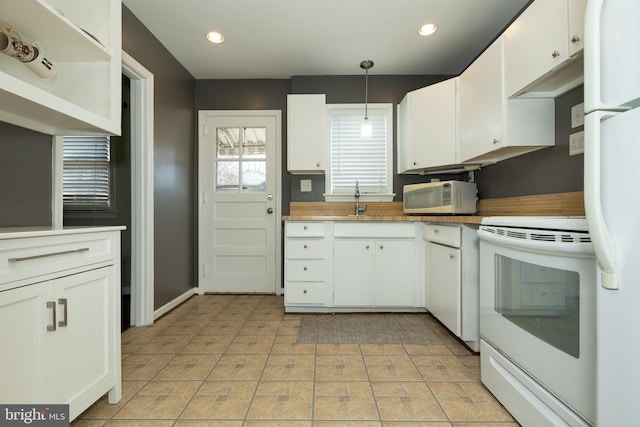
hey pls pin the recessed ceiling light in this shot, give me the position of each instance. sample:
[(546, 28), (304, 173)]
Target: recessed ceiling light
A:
[(427, 29), (215, 37)]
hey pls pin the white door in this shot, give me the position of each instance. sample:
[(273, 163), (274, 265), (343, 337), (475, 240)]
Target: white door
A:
[(239, 238)]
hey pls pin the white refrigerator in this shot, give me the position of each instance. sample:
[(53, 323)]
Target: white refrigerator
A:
[(612, 200)]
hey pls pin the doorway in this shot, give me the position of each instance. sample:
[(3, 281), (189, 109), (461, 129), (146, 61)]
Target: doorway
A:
[(239, 202)]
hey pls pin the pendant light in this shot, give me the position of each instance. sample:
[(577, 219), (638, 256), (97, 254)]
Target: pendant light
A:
[(366, 129)]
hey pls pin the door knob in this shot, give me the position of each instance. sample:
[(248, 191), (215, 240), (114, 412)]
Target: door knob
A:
[(270, 211)]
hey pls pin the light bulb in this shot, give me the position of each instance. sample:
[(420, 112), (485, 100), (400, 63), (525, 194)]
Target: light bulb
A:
[(366, 129)]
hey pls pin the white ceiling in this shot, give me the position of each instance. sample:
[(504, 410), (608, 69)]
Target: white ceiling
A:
[(284, 38)]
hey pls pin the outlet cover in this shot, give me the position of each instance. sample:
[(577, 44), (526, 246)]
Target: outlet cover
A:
[(305, 185), (577, 115), (576, 143)]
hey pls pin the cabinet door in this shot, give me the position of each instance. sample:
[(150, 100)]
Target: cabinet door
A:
[(576, 11), (481, 98), (353, 271), (27, 366), (305, 133), (443, 285), (395, 273), (427, 128), (86, 327), (536, 43)]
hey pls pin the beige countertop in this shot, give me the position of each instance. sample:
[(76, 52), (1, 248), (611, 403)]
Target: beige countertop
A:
[(458, 219)]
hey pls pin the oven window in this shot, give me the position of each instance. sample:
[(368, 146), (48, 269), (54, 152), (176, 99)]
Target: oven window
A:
[(541, 300)]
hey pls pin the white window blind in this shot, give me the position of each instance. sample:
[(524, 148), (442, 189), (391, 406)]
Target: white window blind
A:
[(87, 173), (354, 158)]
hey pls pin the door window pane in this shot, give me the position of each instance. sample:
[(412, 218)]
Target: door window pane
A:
[(241, 155), (543, 301)]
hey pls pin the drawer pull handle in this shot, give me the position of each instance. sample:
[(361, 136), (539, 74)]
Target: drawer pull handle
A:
[(52, 306), (27, 258), (63, 303)]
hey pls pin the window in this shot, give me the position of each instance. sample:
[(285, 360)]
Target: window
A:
[(87, 174), (369, 161), (241, 159)]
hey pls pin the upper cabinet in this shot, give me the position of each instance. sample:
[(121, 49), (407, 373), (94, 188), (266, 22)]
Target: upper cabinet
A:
[(427, 127), (491, 127), (306, 133), (548, 37), (81, 41)]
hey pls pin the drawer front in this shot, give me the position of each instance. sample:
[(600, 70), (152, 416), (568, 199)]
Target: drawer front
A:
[(38, 256), (305, 271), (304, 293), (305, 248), (304, 229), (443, 234)]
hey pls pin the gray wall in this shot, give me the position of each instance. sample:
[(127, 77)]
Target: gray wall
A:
[(25, 177), (174, 161)]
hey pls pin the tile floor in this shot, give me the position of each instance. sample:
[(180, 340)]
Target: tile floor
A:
[(233, 360)]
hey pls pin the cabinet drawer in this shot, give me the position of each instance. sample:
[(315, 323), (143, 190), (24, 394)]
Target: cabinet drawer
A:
[(37, 256), (443, 234), (304, 229), (304, 293), (305, 271), (305, 248)]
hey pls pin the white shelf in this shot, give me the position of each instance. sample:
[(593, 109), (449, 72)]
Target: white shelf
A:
[(84, 95)]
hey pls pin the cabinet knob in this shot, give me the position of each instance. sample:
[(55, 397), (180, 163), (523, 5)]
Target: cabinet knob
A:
[(555, 54), (415, 163), (575, 39), (305, 246), (495, 141), (306, 227), (381, 246), (436, 231), (451, 256), (304, 268), (304, 291), (367, 247), (317, 165)]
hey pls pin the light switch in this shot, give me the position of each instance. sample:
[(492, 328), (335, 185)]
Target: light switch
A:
[(577, 115), (305, 185), (576, 143)]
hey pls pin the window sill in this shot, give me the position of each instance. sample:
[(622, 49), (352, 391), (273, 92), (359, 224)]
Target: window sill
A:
[(363, 197)]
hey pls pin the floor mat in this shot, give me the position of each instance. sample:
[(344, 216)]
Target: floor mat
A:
[(366, 328)]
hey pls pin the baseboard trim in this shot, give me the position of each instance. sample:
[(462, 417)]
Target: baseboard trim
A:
[(173, 304)]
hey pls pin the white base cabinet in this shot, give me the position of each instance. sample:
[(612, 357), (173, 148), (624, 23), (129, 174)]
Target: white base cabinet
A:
[(353, 266), (61, 330)]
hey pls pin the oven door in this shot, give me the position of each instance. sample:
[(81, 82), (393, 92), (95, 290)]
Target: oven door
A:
[(537, 307)]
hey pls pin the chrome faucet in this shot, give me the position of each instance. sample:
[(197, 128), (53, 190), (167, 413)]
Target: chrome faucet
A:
[(359, 210)]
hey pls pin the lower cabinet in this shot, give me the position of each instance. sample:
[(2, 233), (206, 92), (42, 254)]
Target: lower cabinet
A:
[(374, 272), (61, 330), (353, 266)]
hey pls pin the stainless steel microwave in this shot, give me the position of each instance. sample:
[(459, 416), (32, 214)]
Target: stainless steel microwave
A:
[(442, 197)]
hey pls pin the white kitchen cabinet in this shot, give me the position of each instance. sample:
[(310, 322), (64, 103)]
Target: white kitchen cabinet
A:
[(306, 133), (60, 304), (374, 264), (492, 127), (83, 41), (543, 40), (427, 127), (305, 275), (451, 279)]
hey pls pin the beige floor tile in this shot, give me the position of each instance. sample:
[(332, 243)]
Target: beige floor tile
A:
[(274, 313), (251, 344), (418, 424), (165, 344), (143, 366), (338, 349), (208, 344), (102, 409), (188, 367), (234, 313), (282, 400), (443, 368), (221, 400), (277, 423), (88, 423), (344, 401), (340, 367), (185, 327), (289, 326), (391, 368), (347, 423), (239, 367), (209, 423), (288, 344), (297, 367), (140, 423), (469, 402), (408, 401), (382, 349), (430, 349), (159, 400), (223, 327), (259, 327)]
